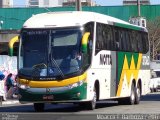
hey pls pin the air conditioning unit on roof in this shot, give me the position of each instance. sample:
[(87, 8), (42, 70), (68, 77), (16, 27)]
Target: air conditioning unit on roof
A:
[(140, 21)]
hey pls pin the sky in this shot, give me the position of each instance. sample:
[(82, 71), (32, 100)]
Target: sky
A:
[(100, 2), (19, 3)]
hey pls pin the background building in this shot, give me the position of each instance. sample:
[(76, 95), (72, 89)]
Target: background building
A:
[(83, 2), (6, 3), (44, 3), (1, 3), (134, 2)]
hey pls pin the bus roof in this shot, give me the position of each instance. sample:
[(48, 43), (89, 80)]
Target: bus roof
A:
[(73, 18)]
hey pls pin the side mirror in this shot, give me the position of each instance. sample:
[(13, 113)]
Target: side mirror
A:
[(11, 43), (84, 46)]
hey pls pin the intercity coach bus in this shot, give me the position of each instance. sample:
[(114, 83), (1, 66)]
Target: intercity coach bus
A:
[(82, 57)]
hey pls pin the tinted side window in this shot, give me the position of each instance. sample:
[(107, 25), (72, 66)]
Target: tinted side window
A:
[(104, 37), (128, 44), (145, 42), (120, 39), (140, 43), (133, 41), (123, 40), (89, 27), (99, 39), (116, 38)]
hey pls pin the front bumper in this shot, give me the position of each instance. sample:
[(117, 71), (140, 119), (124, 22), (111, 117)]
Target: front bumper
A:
[(53, 94)]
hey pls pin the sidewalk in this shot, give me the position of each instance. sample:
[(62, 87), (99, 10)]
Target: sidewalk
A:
[(10, 102)]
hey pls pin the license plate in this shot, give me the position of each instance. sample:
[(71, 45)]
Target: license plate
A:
[(48, 97)]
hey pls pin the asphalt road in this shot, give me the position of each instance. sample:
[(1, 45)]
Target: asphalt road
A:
[(149, 108)]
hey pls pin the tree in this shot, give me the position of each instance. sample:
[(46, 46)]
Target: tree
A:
[(154, 37)]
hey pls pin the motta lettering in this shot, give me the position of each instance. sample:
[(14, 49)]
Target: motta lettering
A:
[(105, 59)]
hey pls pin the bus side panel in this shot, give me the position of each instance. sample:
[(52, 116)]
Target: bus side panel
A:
[(145, 72), (131, 66), (145, 76), (101, 72), (115, 72)]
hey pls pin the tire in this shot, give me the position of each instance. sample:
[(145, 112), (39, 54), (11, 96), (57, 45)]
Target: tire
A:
[(155, 89), (122, 101), (39, 107), (131, 99), (152, 90), (91, 105), (2, 98), (137, 94)]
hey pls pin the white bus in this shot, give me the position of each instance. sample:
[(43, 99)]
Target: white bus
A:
[(82, 57)]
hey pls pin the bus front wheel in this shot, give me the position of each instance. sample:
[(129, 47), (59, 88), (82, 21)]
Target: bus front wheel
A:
[(132, 98), (137, 94), (39, 107), (91, 105)]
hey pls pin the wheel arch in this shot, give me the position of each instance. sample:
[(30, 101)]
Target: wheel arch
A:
[(133, 82)]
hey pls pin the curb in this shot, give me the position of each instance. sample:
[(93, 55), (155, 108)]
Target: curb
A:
[(10, 102)]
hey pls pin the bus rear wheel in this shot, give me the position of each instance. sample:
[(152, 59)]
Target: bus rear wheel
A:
[(155, 90), (137, 94), (39, 107)]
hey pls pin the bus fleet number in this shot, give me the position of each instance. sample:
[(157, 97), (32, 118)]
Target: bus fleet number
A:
[(145, 60)]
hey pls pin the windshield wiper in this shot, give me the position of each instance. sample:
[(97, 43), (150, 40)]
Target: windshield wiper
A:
[(57, 66), (52, 58)]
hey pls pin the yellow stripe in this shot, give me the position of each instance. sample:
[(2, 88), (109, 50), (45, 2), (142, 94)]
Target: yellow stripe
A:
[(139, 61), (124, 70), (85, 38), (12, 41), (54, 83)]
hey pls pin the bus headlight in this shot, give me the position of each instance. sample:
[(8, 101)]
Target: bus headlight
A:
[(76, 84), (23, 86)]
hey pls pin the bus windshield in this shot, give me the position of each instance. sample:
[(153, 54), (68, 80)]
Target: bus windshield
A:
[(49, 52)]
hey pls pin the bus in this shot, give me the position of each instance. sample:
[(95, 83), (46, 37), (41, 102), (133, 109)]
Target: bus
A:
[(82, 57)]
